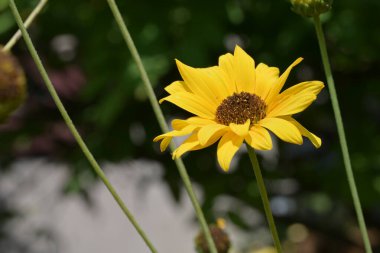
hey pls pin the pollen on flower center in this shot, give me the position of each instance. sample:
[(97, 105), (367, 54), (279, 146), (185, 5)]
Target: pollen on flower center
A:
[(240, 107)]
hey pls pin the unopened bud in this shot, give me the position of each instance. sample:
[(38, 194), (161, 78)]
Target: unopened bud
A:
[(311, 8), (12, 84), (219, 235)]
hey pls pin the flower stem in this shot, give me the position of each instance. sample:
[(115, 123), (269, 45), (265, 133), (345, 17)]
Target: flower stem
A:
[(73, 129), (161, 120), (27, 23), (341, 133), (264, 197)]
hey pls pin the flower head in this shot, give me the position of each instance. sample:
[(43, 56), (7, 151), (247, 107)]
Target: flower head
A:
[(237, 102), (219, 235), (12, 84), (311, 8)]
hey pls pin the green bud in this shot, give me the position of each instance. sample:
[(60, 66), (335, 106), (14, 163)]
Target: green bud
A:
[(220, 237), (311, 8), (12, 84)]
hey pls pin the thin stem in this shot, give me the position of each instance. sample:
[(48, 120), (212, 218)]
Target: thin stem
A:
[(27, 23), (161, 120), (73, 129), (264, 197), (342, 135)]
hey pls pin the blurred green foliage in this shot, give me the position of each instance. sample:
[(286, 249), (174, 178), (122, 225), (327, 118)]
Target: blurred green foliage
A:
[(84, 52)]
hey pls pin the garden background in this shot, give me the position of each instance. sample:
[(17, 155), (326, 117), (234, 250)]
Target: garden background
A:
[(98, 81)]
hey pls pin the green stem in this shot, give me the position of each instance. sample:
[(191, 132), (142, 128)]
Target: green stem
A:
[(161, 120), (27, 23), (342, 135), (73, 129), (264, 197)]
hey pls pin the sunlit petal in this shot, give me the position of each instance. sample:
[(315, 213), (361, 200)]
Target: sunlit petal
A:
[(167, 137), (244, 68), (208, 83), (240, 129), (193, 104), (285, 130), (281, 81), (292, 105), (297, 91), (259, 138), (179, 124), (317, 142), (177, 86), (186, 146), (165, 143), (266, 78), (227, 147), (209, 131)]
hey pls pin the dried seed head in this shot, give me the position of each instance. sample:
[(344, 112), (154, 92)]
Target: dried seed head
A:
[(240, 107), (220, 237), (12, 84), (311, 8)]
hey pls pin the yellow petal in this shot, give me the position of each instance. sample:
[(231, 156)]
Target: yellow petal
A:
[(218, 82), (304, 88), (188, 145), (227, 147), (281, 81), (285, 130), (244, 68), (259, 138), (214, 138), (309, 87), (160, 137), (200, 121), (209, 132), (165, 143), (164, 137), (207, 83), (162, 100), (179, 124), (317, 142), (266, 77), (240, 129), (192, 103), (177, 86), (209, 142), (292, 105), (226, 64), (184, 131)]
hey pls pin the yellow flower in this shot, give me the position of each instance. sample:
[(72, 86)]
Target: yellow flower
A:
[(236, 102)]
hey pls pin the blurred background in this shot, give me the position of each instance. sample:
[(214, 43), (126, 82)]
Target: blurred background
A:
[(51, 201)]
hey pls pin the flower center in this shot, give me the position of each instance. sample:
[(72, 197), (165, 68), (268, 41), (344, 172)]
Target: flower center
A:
[(240, 107)]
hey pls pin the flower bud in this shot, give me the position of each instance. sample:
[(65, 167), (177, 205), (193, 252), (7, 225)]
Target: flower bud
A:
[(311, 8), (12, 84), (220, 237)]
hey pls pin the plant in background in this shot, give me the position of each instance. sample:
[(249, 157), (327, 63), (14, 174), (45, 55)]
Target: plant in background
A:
[(237, 102), (219, 235), (12, 84), (161, 120), (98, 170), (66, 117), (313, 9)]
